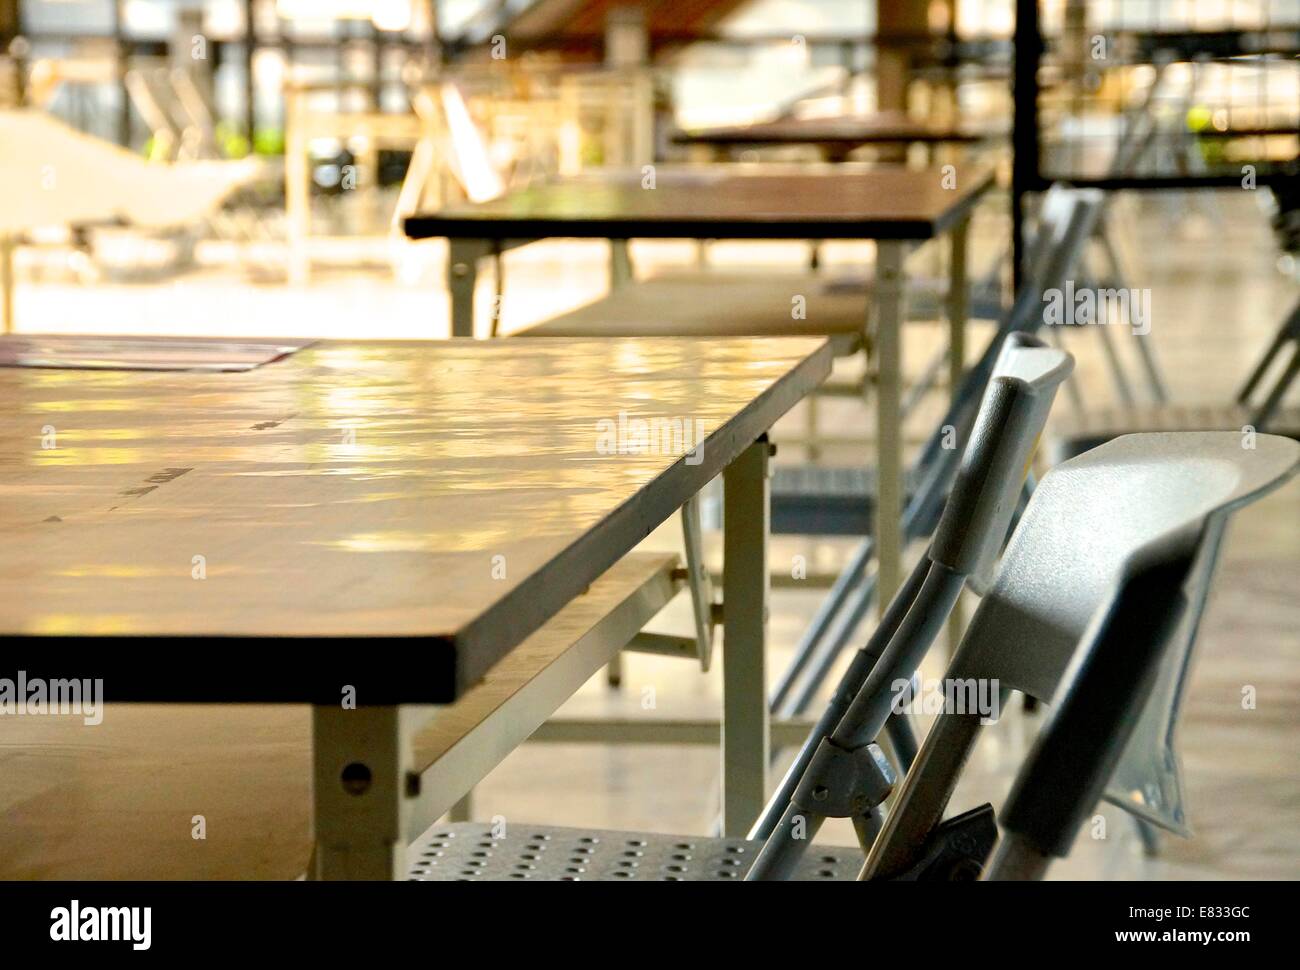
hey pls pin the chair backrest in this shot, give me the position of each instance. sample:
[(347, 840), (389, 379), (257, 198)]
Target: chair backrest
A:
[(975, 518), (1011, 419), (1089, 516), (1090, 724), (1067, 220), (469, 154), (1092, 522)]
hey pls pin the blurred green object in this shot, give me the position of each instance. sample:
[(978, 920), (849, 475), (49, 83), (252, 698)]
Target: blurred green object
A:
[(1199, 117), (153, 150), (234, 144), (269, 141)]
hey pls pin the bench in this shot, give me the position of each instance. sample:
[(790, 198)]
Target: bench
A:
[(122, 799)]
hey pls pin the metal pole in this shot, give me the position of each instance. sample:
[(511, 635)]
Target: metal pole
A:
[(1025, 174), (122, 53), (744, 640), (250, 93)]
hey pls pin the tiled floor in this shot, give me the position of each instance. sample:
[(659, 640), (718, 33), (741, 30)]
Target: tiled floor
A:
[(1217, 293)]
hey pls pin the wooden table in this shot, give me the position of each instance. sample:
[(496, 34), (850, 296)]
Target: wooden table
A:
[(386, 521), (839, 135), (897, 207)]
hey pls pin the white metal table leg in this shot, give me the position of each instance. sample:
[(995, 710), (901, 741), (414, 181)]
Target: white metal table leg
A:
[(7, 284), (889, 437), (744, 611), (361, 767), (620, 264)]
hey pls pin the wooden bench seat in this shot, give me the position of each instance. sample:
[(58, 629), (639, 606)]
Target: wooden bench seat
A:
[(119, 800), (720, 305)]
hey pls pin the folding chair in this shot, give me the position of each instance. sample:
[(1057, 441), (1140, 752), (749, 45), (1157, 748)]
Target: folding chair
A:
[(1068, 217), (1256, 406), (834, 774), (1067, 220), (1102, 531), (975, 524)]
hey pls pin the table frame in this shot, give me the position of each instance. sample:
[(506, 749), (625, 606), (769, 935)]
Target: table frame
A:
[(370, 801)]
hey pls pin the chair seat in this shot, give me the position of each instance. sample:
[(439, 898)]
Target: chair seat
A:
[(1086, 431), (467, 851), (719, 305), (823, 500)]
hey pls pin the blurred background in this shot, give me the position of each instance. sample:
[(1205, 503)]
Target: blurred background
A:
[(321, 123), (243, 167)]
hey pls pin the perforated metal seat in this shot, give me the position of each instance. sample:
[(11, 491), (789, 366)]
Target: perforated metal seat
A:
[(826, 500), (476, 851)]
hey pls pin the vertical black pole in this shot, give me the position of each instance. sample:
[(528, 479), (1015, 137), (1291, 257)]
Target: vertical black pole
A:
[(1025, 176), (250, 87)]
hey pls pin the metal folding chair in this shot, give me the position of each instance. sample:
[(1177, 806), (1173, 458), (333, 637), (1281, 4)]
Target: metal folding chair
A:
[(1257, 405), (1102, 530), (839, 772), (1067, 220), (975, 523)]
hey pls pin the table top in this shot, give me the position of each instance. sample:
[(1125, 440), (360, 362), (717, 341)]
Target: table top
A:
[(882, 127), (406, 512), (888, 202)]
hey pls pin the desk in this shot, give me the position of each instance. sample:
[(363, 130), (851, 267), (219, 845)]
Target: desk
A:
[(837, 136), (899, 208), (377, 521)]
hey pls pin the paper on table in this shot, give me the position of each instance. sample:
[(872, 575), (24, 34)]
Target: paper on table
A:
[(127, 353)]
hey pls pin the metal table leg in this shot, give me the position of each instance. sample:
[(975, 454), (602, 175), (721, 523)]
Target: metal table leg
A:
[(462, 275), (889, 437), (359, 792), (957, 304), (958, 309), (744, 610), (620, 264), (7, 284)]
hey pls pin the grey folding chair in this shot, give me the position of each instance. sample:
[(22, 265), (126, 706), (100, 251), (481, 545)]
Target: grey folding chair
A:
[(1127, 512), (835, 775), (1067, 218), (975, 523), (1257, 405), (1066, 221)]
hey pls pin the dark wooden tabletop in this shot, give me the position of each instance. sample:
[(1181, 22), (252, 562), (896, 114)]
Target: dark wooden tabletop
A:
[(879, 128), (718, 202), (337, 516)]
